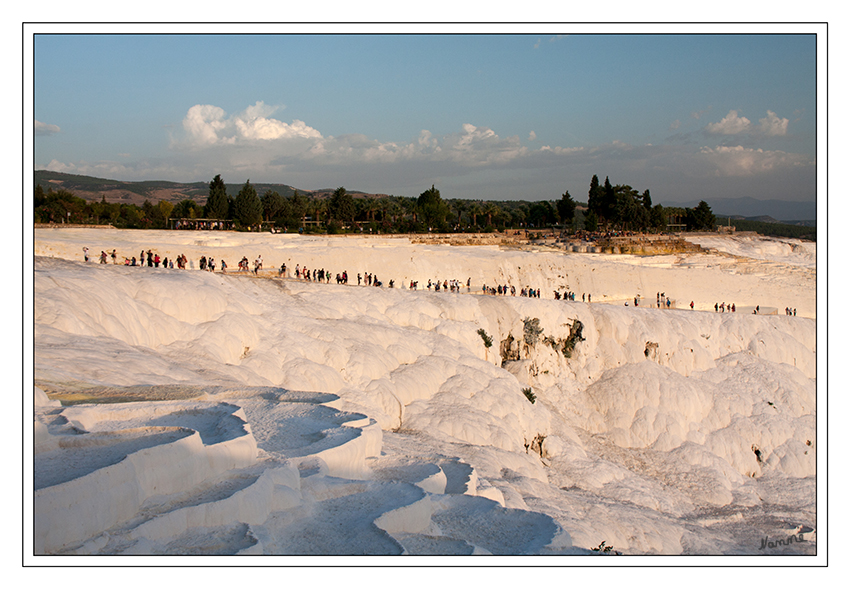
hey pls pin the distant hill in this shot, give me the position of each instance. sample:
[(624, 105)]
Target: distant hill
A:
[(93, 189), (754, 209), (771, 227)]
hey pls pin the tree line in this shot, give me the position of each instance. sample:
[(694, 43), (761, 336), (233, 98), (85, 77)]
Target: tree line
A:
[(608, 207), (624, 208)]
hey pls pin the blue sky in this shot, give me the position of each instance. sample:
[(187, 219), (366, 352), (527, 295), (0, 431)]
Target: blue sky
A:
[(523, 116)]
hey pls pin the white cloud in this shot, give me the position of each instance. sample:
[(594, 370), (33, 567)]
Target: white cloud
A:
[(744, 161), (675, 125), (255, 144), (731, 124), (203, 123), (772, 125), (45, 129), (208, 125), (481, 146), (561, 150), (255, 124)]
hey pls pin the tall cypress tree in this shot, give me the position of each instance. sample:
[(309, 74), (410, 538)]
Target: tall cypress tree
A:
[(647, 200), (217, 205), (609, 202), (566, 208), (594, 196), (247, 208)]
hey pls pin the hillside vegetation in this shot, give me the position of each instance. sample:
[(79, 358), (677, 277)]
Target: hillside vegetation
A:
[(68, 198)]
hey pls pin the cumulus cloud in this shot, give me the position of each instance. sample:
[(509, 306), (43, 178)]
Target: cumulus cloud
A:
[(253, 135), (203, 122), (206, 125), (732, 124), (45, 129), (256, 144), (772, 125), (478, 146)]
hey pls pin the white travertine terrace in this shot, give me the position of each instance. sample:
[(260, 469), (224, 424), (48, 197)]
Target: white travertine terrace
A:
[(277, 416)]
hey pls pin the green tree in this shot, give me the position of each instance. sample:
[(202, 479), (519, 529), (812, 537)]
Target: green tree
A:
[(700, 218), (490, 210), (40, 198), (519, 214), (432, 208), (318, 209), (647, 200), (541, 214), (247, 208), (273, 204), (475, 212), (217, 206), (609, 202), (341, 206), (594, 197), (458, 207), (131, 217), (296, 210), (166, 208), (390, 212), (369, 207), (567, 208), (658, 218), (626, 208), (152, 217), (591, 221), (187, 209)]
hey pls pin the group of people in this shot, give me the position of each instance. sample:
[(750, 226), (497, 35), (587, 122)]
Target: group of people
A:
[(661, 301), (314, 275), (149, 259), (452, 285), (243, 264), (505, 290), (208, 264), (567, 296), (152, 259)]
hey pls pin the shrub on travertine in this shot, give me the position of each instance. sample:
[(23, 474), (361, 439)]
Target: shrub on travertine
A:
[(574, 337), (531, 330), (606, 549), (488, 341)]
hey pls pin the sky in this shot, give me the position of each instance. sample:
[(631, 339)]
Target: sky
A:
[(480, 116)]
